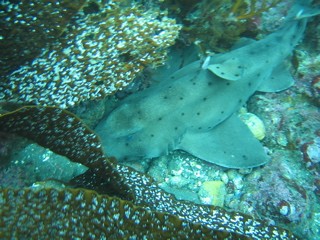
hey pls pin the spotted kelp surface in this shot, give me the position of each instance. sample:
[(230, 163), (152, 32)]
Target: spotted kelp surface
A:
[(26, 30), (101, 51), (101, 217), (60, 127)]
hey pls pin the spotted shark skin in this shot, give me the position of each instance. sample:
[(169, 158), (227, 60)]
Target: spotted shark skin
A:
[(195, 108)]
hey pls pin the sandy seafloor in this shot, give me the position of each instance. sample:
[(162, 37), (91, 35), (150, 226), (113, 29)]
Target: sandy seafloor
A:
[(285, 191)]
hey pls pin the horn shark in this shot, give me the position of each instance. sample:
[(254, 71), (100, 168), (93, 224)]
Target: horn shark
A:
[(194, 108)]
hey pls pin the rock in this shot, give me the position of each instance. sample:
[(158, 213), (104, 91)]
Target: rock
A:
[(311, 153), (213, 192), (255, 124)]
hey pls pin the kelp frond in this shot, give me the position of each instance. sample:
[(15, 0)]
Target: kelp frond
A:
[(242, 10)]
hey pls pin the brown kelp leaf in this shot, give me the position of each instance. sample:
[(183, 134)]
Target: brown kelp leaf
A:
[(83, 214), (28, 26), (99, 53), (64, 133)]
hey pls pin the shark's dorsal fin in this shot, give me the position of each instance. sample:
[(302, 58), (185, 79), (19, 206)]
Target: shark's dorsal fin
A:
[(231, 69), (307, 12)]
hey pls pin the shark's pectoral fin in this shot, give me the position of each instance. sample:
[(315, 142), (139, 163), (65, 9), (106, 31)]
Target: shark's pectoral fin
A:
[(231, 69), (230, 144), (279, 80)]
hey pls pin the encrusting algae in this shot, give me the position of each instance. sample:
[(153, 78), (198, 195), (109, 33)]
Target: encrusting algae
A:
[(99, 53), (25, 31)]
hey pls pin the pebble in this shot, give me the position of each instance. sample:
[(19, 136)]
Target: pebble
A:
[(245, 171), (224, 177), (255, 124), (232, 173), (238, 182), (282, 140), (178, 181), (213, 193)]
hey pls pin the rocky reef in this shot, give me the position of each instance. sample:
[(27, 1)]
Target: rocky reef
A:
[(42, 49)]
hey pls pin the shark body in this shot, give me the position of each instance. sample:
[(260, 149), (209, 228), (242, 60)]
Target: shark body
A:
[(194, 108)]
